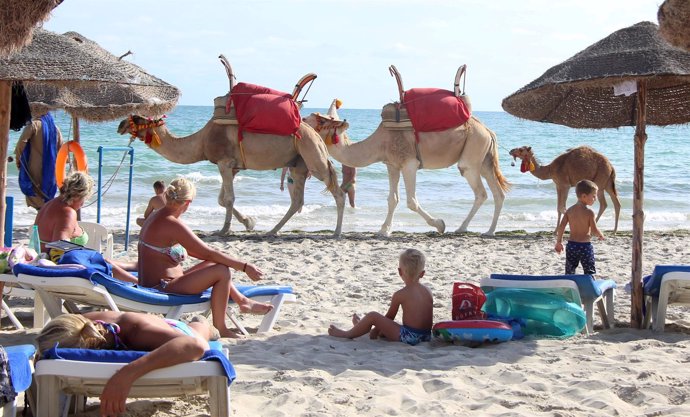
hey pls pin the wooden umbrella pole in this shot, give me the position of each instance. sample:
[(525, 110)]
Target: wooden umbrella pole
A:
[(636, 318), (5, 112)]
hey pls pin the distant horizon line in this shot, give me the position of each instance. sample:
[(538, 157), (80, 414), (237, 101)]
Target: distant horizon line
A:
[(349, 108)]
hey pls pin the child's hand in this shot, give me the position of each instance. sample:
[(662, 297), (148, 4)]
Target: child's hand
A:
[(559, 247), (601, 237)]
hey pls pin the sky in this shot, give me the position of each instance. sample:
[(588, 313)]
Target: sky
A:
[(349, 44)]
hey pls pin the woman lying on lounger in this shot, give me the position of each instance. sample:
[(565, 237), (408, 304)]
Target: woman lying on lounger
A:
[(170, 342), (164, 242), (57, 220)]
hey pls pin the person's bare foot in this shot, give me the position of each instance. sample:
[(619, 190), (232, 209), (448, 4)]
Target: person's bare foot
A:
[(336, 332), (231, 334), (255, 307), (355, 319)]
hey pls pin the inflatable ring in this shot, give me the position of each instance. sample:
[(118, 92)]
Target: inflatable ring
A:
[(61, 160), (473, 331)]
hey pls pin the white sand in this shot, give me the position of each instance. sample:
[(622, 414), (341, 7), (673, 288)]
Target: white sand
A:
[(299, 370)]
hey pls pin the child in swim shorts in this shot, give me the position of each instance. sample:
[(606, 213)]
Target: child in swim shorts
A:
[(414, 298), (579, 249)]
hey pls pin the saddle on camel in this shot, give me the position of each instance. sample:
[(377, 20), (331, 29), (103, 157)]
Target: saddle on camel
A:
[(260, 109), (427, 109)]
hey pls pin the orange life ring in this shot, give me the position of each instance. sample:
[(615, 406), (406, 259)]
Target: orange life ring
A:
[(61, 160)]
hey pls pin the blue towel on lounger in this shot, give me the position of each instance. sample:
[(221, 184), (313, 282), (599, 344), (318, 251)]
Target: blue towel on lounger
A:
[(20, 367), (127, 356)]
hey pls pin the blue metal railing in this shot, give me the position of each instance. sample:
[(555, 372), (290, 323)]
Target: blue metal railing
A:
[(130, 151)]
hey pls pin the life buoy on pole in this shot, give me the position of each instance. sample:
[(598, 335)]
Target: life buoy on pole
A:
[(61, 160)]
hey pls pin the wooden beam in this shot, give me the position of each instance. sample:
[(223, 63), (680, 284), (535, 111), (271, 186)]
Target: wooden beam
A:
[(636, 318)]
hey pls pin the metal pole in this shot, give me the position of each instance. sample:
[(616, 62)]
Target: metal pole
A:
[(130, 151)]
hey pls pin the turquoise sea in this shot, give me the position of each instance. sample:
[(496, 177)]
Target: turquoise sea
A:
[(530, 205)]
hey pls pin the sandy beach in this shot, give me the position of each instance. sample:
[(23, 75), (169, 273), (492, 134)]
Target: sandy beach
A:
[(299, 370)]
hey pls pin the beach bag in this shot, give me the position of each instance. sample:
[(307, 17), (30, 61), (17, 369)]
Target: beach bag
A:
[(467, 301)]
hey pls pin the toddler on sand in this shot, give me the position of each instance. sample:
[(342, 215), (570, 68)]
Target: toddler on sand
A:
[(582, 225), (416, 302)]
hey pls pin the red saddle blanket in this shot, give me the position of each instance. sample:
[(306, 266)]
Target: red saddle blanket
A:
[(433, 109), (263, 110)]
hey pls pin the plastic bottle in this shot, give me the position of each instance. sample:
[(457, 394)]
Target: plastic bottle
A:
[(34, 240)]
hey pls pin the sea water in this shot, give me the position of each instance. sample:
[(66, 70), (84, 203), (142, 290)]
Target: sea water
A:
[(444, 193)]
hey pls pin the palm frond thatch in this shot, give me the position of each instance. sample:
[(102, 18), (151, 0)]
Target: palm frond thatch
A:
[(18, 19), (674, 22)]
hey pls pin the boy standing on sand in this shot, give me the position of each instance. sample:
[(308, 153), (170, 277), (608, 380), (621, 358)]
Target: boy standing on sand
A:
[(582, 225), (415, 299), (156, 202)]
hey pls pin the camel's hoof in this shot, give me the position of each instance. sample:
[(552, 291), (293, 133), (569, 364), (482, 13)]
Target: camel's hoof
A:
[(440, 225), (461, 229), (221, 232), (488, 234), (384, 232), (249, 224)]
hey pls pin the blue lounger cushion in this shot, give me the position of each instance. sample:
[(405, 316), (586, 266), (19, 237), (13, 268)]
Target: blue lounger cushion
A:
[(652, 283), (147, 295), (588, 286), (20, 367), (215, 353)]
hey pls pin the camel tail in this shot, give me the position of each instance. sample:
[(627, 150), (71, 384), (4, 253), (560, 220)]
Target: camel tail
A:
[(332, 181), (502, 181)]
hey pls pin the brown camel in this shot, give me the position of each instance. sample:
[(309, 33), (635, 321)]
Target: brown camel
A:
[(473, 147), (218, 144), (576, 164)]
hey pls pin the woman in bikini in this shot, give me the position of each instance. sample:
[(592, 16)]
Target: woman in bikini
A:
[(170, 342), (57, 220), (164, 243)]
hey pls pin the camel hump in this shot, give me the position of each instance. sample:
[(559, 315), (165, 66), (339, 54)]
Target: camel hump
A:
[(401, 90)]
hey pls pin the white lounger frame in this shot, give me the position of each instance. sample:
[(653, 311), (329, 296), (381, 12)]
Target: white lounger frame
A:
[(674, 289)]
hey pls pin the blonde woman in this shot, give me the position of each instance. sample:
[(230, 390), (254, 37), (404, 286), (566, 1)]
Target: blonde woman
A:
[(165, 241), (170, 342)]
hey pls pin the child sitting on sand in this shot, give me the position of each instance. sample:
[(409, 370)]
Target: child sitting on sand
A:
[(416, 302), (156, 202), (582, 225)]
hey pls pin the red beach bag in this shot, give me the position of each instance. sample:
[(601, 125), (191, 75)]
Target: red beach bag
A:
[(468, 300)]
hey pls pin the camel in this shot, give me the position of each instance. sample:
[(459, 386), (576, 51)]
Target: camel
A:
[(572, 166), (472, 147), (218, 143)]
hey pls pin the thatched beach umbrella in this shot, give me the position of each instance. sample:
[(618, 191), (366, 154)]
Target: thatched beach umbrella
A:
[(630, 78), (674, 22), (73, 73), (18, 19)]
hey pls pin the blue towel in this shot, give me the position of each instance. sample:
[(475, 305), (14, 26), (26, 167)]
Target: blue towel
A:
[(127, 356), (20, 368), (48, 184)]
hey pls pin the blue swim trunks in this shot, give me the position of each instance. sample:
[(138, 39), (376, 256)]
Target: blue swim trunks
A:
[(579, 252), (413, 336)]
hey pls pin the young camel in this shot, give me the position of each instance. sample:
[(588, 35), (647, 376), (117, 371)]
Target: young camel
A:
[(576, 164), (472, 147), (218, 144)]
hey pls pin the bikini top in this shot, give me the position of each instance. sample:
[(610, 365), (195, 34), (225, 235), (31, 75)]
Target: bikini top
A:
[(81, 240), (114, 329), (176, 252)]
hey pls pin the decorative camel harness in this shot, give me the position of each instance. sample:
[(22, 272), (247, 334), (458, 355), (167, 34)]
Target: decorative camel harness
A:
[(152, 139)]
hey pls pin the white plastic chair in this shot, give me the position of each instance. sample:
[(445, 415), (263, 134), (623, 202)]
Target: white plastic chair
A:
[(99, 238)]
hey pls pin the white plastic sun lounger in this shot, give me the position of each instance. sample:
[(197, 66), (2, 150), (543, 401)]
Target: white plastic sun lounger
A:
[(97, 289), (84, 372), (668, 284)]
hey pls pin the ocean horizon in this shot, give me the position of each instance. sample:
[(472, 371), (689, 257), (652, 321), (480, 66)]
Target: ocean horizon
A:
[(529, 206)]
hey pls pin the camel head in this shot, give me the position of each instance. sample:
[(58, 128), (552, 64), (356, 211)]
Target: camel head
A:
[(142, 128), (527, 157), (329, 129)]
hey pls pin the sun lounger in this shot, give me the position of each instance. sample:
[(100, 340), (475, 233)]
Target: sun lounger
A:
[(590, 291), (13, 289), (668, 284), (97, 289), (21, 359), (84, 372)]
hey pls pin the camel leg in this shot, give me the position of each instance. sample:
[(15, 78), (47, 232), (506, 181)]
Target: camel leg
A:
[(226, 197), (475, 181), (602, 203), (562, 196), (496, 191), (409, 174), (616, 205), (393, 198), (299, 177)]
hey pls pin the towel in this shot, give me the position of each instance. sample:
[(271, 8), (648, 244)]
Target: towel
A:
[(127, 356), (47, 184)]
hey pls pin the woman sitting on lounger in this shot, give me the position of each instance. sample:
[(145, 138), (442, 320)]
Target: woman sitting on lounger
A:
[(165, 241), (57, 220), (170, 342)]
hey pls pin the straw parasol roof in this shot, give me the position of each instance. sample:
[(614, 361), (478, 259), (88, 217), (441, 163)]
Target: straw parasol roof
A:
[(630, 78), (18, 19), (579, 92), (674, 22), (73, 73)]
